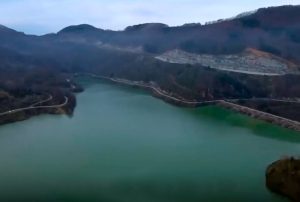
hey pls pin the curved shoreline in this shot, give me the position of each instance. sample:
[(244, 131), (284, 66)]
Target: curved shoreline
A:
[(38, 107), (167, 97), (21, 114), (228, 103)]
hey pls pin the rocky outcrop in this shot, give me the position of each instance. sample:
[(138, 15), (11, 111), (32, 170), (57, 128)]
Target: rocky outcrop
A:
[(283, 177)]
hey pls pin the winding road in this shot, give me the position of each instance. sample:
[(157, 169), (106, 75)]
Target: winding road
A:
[(157, 90), (160, 92), (37, 107), (166, 95), (228, 102), (43, 101)]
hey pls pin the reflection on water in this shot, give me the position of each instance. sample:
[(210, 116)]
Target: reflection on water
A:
[(124, 145), (258, 127)]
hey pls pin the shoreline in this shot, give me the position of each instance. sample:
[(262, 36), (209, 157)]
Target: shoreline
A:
[(270, 118), (34, 109), (157, 92)]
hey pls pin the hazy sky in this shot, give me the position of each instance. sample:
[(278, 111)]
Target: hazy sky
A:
[(44, 16)]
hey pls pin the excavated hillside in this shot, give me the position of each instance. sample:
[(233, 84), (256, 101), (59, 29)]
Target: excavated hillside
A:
[(251, 61)]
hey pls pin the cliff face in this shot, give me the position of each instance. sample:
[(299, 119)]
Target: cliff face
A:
[(283, 177)]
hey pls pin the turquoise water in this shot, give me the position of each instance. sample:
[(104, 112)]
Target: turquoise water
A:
[(124, 145)]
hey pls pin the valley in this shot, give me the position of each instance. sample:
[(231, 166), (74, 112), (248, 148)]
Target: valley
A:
[(153, 112), (238, 61), (124, 145)]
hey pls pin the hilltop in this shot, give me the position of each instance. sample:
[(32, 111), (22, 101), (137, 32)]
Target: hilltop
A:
[(252, 55)]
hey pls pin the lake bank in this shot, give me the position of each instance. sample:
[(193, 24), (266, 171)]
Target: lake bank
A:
[(124, 145), (156, 91)]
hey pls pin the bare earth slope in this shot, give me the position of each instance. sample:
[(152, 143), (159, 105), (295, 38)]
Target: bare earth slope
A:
[(251, 61)]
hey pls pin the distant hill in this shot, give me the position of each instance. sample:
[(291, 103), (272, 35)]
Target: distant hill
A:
[(275, 30), (255, 54), (79, 29)]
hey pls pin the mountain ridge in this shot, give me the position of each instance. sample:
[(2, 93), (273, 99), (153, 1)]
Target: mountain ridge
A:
[(38, 64)]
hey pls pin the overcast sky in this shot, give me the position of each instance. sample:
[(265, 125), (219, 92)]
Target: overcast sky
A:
[(44, 16)]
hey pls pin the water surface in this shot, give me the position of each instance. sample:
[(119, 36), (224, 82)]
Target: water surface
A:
[(124, 145)]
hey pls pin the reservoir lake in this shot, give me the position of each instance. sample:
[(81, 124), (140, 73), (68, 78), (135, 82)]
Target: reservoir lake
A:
[(123, 145)]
